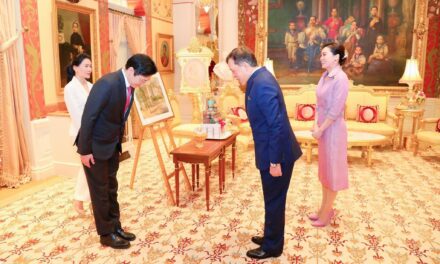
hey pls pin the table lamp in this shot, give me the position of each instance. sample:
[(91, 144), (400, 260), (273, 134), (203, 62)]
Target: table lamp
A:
[(411, 76)]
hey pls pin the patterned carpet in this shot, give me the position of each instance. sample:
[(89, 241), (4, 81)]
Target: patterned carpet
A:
[(390, 214)]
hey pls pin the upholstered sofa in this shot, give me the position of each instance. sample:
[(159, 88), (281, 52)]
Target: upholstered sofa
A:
[(358, 96), (427, 134), (232, 97)]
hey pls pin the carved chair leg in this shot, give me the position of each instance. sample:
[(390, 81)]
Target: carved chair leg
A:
[(394, 142), (416, 146)]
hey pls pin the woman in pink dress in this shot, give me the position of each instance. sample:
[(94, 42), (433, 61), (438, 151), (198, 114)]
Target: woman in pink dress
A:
[(330, 131)]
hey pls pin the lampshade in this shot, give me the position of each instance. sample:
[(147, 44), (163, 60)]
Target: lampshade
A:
[(268, 63), (205, 4), (411, 73)]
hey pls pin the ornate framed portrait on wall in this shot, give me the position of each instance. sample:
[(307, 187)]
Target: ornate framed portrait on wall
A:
[(164, 53), (75, 34)]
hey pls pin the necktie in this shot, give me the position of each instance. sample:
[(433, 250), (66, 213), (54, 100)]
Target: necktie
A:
[(127, 101)]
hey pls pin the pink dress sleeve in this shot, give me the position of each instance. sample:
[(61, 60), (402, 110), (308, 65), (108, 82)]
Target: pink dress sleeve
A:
[(339, 96)]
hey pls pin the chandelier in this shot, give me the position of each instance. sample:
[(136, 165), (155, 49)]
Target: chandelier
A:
[(205, 4)]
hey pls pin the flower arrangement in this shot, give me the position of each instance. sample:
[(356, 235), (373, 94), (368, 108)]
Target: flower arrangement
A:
[(420, 97)]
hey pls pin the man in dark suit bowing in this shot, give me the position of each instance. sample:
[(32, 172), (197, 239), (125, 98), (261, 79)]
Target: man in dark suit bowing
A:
[(99, 143), (276, 148)]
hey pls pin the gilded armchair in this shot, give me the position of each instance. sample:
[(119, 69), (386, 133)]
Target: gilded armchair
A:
[(427, 134)]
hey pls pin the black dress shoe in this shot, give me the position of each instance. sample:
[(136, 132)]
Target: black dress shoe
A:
[(114, 241), (257, 240), (125, 235), (259, 253)]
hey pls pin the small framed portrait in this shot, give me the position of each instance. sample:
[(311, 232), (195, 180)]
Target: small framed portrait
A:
[(164, 53), (151, 101)]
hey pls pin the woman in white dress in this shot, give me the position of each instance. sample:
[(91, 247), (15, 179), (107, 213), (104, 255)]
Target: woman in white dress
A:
[(75, 96)]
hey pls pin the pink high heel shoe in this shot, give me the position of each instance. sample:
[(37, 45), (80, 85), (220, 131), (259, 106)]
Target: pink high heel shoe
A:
[(313, 216), (320, 223), (78, 206)]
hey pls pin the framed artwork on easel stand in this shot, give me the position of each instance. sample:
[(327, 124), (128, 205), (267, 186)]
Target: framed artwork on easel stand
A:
[(154, 110)]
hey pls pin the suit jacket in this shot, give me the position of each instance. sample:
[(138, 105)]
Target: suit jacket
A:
[(273, 136), (75, 97), (102, 123)]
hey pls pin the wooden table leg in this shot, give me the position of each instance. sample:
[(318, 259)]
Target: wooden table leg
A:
[(223, 164), (400, 128), (233, 159), (176, 178), (220, 171), (369, 152), (193, 174), (198, 174), (207, 175)]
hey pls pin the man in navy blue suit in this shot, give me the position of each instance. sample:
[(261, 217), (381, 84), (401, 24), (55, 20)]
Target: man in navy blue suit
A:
[(99, 143), (276, 148)]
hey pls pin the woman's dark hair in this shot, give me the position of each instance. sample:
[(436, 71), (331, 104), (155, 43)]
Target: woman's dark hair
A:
[(337, 49), (142, 65), (76, 62)]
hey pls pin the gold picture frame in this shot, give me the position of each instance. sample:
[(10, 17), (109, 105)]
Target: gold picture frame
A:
[(418, 50), (164, 53), (152, 103), (75, 31)]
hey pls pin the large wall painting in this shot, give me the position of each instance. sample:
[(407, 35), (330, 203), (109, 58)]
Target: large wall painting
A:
[(377, 35)]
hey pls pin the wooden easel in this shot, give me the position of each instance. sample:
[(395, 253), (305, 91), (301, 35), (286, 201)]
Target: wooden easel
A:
[(165, 176)]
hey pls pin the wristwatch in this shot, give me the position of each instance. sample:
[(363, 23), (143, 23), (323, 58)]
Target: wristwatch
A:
[(274, 164)]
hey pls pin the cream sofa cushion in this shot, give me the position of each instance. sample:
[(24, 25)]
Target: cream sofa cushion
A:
[(376, 128), (430, 137), (358, 97), (308, 96), (300, 125)]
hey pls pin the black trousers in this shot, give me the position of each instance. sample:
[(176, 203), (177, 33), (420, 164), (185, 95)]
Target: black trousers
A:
[(275, 195), (103, 187)]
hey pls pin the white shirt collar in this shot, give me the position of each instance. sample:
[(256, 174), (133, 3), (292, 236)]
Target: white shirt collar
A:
[(127, 84)]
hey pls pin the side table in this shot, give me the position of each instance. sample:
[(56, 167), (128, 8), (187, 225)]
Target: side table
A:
[(415, 114)]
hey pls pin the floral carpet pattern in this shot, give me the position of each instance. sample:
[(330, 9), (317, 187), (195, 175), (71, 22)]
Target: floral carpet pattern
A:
[(390, 214)]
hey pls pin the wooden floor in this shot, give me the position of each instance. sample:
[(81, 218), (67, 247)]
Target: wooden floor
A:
[(9, 195)]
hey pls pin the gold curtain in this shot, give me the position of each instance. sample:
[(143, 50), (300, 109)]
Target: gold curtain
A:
[(116, 23), (134, 35), (14, 158)]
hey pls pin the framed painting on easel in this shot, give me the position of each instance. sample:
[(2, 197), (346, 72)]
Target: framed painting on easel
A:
[(151, 101)]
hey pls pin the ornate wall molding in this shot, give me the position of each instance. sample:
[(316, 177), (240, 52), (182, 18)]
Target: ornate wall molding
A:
[(162, 9)]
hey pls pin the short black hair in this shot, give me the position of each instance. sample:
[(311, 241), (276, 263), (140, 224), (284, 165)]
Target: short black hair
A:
[(142, 65), (76, 62), (337, 49), (242, 54)]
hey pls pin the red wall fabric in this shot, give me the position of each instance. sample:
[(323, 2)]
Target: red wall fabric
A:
[(432, 64), (104, 39), (32, 56), (250, 22)]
